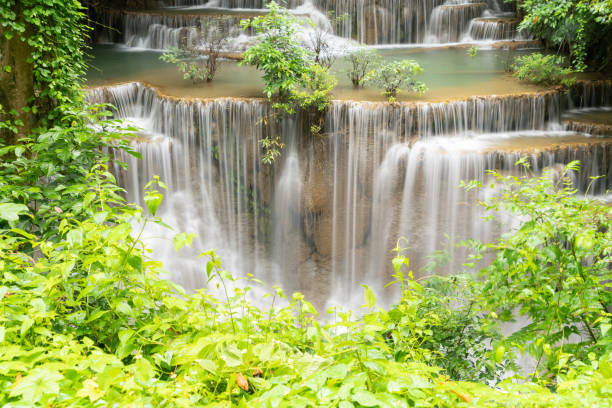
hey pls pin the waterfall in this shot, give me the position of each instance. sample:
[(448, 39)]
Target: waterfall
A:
[(159, 31), (163, 31), (449, 21), (325, 216), (493, 28), (240, 4), (367, 21)]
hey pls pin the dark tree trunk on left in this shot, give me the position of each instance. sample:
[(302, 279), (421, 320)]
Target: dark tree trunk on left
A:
[(16, 83)]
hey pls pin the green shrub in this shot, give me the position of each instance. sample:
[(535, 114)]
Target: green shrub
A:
[(282, 59), (313, 91), (554, 270), (292, 76), (361, 61), (394, 76), (542, 69), (89, 323), (581, 28)]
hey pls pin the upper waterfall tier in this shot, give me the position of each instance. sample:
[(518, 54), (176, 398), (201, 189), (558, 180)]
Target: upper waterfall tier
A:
[(155, 30), (324, 217), (449, 21), (367, 21)]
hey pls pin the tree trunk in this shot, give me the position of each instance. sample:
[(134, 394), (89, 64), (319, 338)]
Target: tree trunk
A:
[(16, 83)]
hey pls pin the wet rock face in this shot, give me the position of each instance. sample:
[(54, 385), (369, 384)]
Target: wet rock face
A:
[(335, 233), (316, 193)]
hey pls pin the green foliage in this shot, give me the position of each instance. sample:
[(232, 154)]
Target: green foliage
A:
[(473, 51), (441, 322), (291, 75), (54, 32), (394, 76), (89, 323), (583, 28), (543, 69), (278, 54), (48, 172), (555, 270), (313, 91), (85, 319), (272, 149), (361, 62)]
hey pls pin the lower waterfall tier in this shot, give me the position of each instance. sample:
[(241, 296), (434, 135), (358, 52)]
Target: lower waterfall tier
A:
[(324, 217)]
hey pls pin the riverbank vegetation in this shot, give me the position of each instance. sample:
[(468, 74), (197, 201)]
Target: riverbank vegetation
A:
[(86, 319), (582, 29), (543, 69)]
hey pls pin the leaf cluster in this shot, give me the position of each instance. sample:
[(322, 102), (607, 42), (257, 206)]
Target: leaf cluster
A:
[(580, 27), (554, 269), (543, 69), (53, 31), (361, 62)]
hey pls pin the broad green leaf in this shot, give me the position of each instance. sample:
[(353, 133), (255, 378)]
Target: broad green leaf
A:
[(231, 355), (365, 398), (153, 201), (74, 237), (38, 383), (499, 353), (90, 390), (182, 239), (125, 309), (10, 211), (143, 370), (100, 217), (208, 365), (370, 298)]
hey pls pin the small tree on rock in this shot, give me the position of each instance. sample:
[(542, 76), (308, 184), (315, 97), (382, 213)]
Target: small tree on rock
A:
[(394, 76), (278, 54), (361, 61)]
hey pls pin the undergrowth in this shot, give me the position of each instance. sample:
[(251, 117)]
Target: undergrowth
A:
[(86, 321)]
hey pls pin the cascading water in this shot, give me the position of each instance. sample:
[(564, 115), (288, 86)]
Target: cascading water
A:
[(160, 31), (367, 21), (449, 21), (325, 216), (494, 28)]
